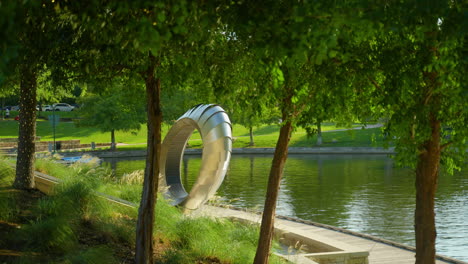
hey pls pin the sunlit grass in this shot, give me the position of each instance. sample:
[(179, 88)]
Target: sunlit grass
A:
[(200, 237), (264, 135), (190, 239), (68, 131)]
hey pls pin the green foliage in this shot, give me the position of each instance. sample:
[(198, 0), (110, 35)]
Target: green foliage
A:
[(55, 227), (49, 92), (5, 171), (191, 239), (10, 15), (121, 109), (50, 235), (199, 237), (421, 61), (265, 135), (8, 209), (48, 166), (167, 217), (94, 255)]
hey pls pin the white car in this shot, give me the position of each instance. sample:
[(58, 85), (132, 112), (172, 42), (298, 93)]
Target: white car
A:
[(46, 108), (62, 107)]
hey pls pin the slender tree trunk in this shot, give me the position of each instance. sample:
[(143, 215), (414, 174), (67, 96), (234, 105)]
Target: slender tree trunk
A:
[(268, 219), (427, 172), (113, 139), (144, 232), (27, 128), (319, 133), (252, 143)]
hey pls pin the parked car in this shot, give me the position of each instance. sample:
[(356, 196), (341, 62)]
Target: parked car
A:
[(62, 107), (15, 108), (43, 108), (46, 108)]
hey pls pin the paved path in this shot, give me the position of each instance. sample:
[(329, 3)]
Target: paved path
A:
[(380, 251)]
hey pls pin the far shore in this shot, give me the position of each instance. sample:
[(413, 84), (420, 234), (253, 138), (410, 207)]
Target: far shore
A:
[(236, 151)]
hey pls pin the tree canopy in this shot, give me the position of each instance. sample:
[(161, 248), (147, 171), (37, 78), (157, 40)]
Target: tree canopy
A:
[(121, 109), (404, 62), (421, 61)]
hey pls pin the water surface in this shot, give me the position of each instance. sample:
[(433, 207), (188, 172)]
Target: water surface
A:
[(363, 193)]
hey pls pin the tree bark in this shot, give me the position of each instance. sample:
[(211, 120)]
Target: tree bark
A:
[(144, 232), (268, 219), (27, 128), (113, 140), (252, 143), (427, 172)]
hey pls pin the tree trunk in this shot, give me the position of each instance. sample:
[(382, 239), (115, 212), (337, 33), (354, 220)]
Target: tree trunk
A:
[(279, 159), (144, 232), (319, 133), (27, 128), (113, 139), (427, 172), (252, 143)]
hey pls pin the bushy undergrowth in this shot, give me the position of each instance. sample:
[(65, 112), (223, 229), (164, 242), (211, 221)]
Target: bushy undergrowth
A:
[(201, 237), (60, 221), (7, 205), (74, 225), (94, 255)]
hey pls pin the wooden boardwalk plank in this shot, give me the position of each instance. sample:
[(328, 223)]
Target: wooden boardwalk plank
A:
[(379, 252)]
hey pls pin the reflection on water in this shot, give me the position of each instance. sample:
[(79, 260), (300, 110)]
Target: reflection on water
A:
[(363, 193)]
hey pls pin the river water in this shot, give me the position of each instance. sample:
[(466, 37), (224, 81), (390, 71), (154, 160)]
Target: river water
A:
[(363, 193)]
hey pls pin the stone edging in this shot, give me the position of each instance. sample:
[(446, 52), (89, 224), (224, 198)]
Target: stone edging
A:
[(346, 231), (260, 151)]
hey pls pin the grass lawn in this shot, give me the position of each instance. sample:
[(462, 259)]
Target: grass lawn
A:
[(68, 130), (264, 135)]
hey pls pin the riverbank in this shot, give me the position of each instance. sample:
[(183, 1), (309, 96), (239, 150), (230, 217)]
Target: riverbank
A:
[(60, 226), (311, 243), (356, 135), (327, 244), (366, 193), (237, 151)]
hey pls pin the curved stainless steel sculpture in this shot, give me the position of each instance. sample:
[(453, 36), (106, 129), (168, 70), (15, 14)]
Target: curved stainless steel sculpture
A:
[(216, 132)]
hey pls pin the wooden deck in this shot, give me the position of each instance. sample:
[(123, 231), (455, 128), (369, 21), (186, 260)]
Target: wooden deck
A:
[(379, 251)]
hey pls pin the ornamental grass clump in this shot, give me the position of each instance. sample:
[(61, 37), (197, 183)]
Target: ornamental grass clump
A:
[(58, 217), (134, 177), (48, 164), (73, 225), (204, 237), (94, 255), (8, 208), (76, 211)]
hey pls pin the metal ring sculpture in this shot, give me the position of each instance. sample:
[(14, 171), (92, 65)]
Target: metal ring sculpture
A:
[(215, 129)]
